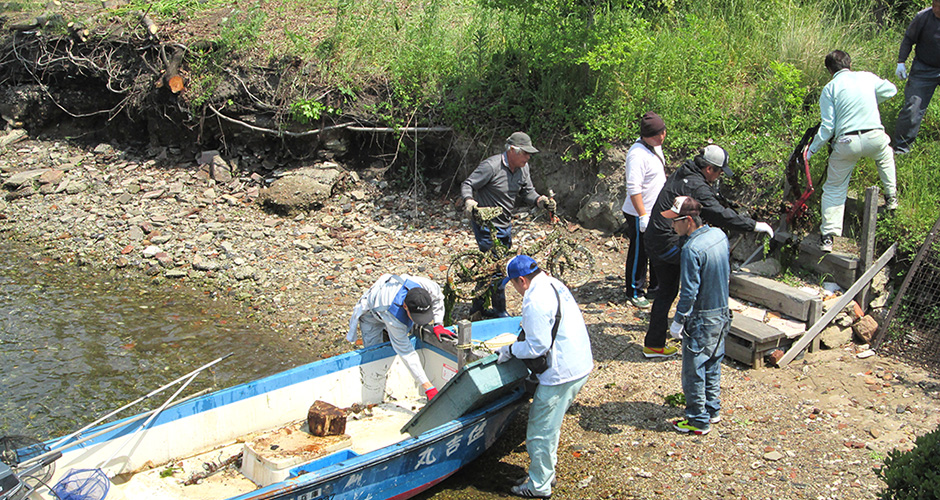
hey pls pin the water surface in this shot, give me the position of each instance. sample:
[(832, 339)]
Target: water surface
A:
[(76, 343)]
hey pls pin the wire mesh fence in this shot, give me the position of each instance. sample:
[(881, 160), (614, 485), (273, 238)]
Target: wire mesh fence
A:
[(912, 327)]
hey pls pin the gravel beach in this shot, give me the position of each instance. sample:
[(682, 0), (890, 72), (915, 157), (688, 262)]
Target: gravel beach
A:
[(815, 430)]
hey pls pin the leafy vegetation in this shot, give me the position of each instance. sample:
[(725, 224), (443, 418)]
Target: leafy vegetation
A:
[(911, 475), (743, 74), (676, 400)]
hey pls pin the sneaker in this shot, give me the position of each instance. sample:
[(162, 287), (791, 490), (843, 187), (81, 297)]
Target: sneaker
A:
[(660, 352), (825, 243), (891, 203), (523, 479), (714, 419), (525, 492), (641, 302), (683, 425)]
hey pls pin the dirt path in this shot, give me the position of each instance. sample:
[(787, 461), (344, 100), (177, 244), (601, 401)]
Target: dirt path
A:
[(813, 430)]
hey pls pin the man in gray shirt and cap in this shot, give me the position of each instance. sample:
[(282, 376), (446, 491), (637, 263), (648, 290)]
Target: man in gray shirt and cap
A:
[(497, 182)]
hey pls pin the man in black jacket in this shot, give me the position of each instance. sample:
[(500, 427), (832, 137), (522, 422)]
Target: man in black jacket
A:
[(694, 178)]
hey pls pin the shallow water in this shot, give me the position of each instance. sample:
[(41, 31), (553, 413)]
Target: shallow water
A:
[(76, 343)]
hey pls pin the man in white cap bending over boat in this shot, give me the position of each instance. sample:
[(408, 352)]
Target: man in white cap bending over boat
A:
[(396, 304), (552, 328)]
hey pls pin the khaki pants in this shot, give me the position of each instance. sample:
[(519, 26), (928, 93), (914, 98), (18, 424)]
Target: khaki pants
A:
[(846, 151)]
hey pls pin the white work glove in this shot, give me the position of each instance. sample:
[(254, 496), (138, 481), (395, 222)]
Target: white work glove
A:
[(676, 330), (352, 335), (809, 154), (468, 205), (901, 71), (763, 227), (505, 354), (546, 203), (643, 222)]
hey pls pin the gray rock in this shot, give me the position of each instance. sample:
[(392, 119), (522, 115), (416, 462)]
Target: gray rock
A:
[(245, 272), (135, 233), (834, 336), (20, 179), (151, 251), (219, 170), (302, 190), (103, 149), (76, 187), (769, 268), (202, 264), (12, 137)]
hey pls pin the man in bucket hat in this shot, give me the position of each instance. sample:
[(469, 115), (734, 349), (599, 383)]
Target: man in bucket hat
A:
[(396, 305), (499, 181), (702, 317), (695, 178), (553, 326)]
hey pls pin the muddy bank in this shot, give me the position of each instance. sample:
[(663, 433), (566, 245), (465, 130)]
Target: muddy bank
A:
[(814, 430)]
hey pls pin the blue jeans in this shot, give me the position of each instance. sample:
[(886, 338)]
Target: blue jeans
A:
[(703, 348), (485, 243), (919, 90)]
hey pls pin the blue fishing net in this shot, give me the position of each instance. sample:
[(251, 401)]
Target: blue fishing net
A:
[(83, 484)]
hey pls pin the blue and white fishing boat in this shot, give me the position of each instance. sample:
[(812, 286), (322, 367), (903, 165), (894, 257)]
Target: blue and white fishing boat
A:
[(251, 441)]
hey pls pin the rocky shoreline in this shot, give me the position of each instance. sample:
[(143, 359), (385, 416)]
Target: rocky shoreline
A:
[(814, 430)]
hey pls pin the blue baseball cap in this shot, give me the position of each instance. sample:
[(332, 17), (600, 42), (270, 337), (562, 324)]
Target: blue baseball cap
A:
[(520, 265)]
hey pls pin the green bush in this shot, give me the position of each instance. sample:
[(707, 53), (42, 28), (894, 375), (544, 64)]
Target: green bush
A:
[(913, 475)]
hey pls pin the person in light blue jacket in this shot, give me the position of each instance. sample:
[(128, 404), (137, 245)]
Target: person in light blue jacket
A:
[(848, 107), (396, 305), (702, 318), (553, 326)]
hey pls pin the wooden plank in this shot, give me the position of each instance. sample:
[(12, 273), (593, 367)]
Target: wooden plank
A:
[(866, 243), (463, 343), (754, 330), (777, 296), (743, 351), (842, 267), (815, 312), (811, 334), (749, 339)]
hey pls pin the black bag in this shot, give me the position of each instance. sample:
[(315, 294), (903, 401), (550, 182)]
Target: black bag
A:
[(540, 364)]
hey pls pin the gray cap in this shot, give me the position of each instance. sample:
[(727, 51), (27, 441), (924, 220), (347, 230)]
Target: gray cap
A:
[(715, 156), (522, 141)]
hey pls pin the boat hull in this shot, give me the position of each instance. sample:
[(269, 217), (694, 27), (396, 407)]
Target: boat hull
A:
[(399, 466)]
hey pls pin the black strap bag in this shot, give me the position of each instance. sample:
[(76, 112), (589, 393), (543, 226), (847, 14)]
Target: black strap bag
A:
[(543, 362)]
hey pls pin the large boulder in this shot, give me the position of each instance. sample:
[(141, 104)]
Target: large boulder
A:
[(302, 190), (601, 207)]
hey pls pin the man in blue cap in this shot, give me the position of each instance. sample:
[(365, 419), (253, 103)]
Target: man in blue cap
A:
[(499, 181), (396, 304), (553, 327)]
